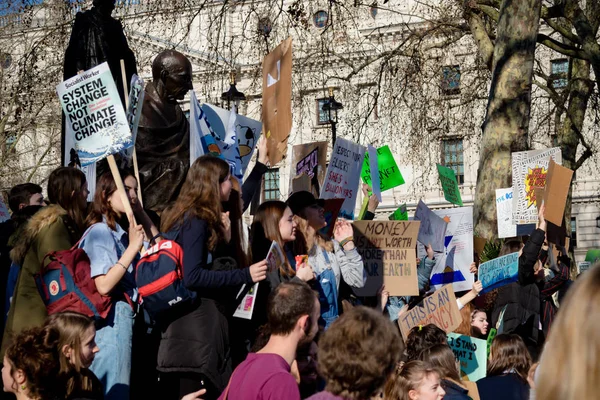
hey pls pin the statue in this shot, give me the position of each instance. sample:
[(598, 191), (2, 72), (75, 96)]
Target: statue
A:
[(98, 37), (163, 139)]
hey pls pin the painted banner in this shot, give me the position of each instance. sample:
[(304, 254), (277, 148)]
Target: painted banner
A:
[(311, 159), (401, 214), (202, 137), (373, 171), (343, 175), (453, 263), (247, 131), (389, 173), (134, 112), (499, 272), (558, 183), (471, 354), (245, 309), (222, 123), (439, 309), (529, 169), (449, 185), (433, 228), (504, 207), (4, 214), (94, 114), (388, 251), (277, 99)]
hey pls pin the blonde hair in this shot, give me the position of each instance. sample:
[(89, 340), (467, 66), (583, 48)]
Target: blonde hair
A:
[(305, 242), (572, 347), (406, 378)]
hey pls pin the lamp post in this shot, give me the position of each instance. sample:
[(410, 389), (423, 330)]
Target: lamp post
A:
[(331, 107), (233, 94)]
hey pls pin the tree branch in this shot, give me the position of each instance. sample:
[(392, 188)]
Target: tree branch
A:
[(560, 47)]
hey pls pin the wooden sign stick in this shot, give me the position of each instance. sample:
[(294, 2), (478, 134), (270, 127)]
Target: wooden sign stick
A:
[(136, 170)]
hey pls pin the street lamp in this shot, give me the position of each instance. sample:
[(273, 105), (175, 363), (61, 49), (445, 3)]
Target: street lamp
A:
[(233, 94), (331, 107)]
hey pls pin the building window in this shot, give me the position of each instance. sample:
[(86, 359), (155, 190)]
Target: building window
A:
[(271, 185), (573, 242), (320, 19), (559, 73), (374, 10), (452, 157), (322, 115), (451, 79), (9, 143)]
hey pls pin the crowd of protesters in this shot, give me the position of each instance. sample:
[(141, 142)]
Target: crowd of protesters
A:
[(309, 336)]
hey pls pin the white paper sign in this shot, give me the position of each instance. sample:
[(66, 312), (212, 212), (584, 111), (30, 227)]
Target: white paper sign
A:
[(246, 306), (504, 214), (343, 175)]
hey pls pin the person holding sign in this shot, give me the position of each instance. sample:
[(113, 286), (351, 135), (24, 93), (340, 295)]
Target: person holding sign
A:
[(331, 260)]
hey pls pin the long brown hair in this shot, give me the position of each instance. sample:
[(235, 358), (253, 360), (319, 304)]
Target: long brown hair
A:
[(101, 206), (64, 189), (508, 352), (265, 229), (235, 208), (200, 197), (465, 324), (441, 357)]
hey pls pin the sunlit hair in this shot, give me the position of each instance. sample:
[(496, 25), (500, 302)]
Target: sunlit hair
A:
[(64, 189), (441, 357), (235, 208), (305, 242), (509, 353), (200, 197), (72, 327), (465, 324), (265, 229), (573, 346), (409, 377), (101, 206)]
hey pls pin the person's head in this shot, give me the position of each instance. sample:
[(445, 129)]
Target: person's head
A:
[(509, 353), (421, 337), (358, 353), (107, 201), (441, 357), (31, 366), (479, 323), (68, 188), (416, 380), (172, 75), (510, 246), (23, 195), (306, 206), (105, 7), (294, 309), (573, 346), (206, 185), (77, 339)]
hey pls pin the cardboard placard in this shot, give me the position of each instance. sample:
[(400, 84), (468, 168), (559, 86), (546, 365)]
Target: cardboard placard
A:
[(331, 210), (499, 272), (439, 309), (388, 171), (558, 182), (504, 213), (301, 184), (449, 185), (304, 157), (343, 175), (433, 228), (529, 170), (556, 234), (388, 252), (539, 196), (471, 354), (277, 99), (401, 214), (479, 245)]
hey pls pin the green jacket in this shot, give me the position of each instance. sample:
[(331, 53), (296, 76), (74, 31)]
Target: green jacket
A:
[(50, 229)]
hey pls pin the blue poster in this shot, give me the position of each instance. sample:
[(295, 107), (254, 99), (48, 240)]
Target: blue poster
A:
[(499, 272)]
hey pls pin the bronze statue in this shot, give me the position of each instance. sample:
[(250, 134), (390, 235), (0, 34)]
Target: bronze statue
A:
[(163, 139)]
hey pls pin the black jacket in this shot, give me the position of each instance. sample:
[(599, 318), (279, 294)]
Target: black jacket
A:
[(454, 391), (503, 387)]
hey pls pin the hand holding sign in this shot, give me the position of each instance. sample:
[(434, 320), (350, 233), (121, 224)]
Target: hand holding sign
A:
[(258, 271)]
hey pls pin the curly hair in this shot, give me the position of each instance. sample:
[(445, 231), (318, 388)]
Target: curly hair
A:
[(422, 337), (35, 353), (358, 353)]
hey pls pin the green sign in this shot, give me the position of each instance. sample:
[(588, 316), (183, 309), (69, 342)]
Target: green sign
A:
[(592, 255), (389, 174), (449, 185), (401, 214)]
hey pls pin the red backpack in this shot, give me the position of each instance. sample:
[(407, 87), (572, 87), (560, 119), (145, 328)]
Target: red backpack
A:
[(66, 284)]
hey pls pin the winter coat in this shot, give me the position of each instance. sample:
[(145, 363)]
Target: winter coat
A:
[(503, 387), (50, 229), (454, 391)]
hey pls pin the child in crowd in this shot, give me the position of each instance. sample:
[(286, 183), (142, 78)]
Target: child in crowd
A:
[(416, 380), (441, 357)]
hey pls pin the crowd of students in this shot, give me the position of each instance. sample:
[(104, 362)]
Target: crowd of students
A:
[(309, 336)]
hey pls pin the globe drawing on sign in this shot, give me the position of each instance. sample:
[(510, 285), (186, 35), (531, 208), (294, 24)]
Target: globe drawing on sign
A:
[(450, 272)]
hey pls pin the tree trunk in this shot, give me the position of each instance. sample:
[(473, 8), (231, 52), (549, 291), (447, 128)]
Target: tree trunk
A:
[(507, 119)]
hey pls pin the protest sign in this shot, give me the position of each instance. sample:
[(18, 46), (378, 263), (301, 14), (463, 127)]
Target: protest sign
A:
[(94, 114), (529, 169), (439, 309), (245, 309), (453, 263), (301, 183), (504, 206), (388, 252), (311, 159), (247, 131), (449, 185), (222, 124), (583, 266), (556, 234), (373, 171), (558, 182), (592, 255), (433, 228), (525, 230), (134, 112), (401, 214), (388, 171), (478, 245), (471, 354), (202, 137), (4, 214), (499, 272), (277, 99), (343, 175), (275, 257), (331, 209)]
